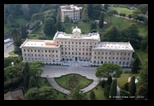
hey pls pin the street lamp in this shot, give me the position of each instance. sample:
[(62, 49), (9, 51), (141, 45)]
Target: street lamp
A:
[(12, 63)]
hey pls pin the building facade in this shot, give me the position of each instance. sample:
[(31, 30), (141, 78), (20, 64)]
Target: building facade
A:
[(86, 49), (73, 13)]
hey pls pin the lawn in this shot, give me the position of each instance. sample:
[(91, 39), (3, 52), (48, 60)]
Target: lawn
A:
[(38, 30), (12, 53), (21, 21), (124, 78), (122, 10), (64, 81), (99, 93), (124, 23), (42, 82), (85, 27), (142, 55)]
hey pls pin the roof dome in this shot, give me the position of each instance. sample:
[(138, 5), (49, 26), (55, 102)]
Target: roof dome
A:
[(76, 30)]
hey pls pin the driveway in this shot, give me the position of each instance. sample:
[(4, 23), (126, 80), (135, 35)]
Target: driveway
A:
[(7, 48), (51, 72)]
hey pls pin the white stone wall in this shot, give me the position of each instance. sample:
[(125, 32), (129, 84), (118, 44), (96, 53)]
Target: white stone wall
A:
[(46, 55), (122, 58)]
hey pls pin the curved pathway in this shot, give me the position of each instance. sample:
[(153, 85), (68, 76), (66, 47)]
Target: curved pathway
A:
[(50, 72)]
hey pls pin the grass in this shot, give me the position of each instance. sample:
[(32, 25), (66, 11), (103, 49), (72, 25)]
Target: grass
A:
[(21, 21), (38, 30), (99, 93), (124, 78), (122, 10), (42, 82), (142, 55), (84, 26), (64, 81), (12, 53), (124, 23)]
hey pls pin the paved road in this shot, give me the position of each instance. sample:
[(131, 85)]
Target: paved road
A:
[(50, 72), (7, 49)]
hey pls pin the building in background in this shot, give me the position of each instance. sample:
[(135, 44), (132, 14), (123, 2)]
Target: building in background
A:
[(86, 49), (73, 13)]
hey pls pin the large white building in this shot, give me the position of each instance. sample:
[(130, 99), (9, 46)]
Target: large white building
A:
[(73, 13), (85, 49)]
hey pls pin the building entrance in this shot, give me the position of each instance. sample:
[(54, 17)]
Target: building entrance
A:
[(76, 59)]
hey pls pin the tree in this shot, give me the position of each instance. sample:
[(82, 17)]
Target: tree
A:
[(92, 95), (113, 89), (111, 13), (112, 35), (49, 27), (126, 86), (105, 6), (132, 86), (90, 10), (146, 22), (23, 32), (136, 65), (108, 69), (143, 8), (85, 16), (10, 18), (59, 26), (25, 71), (101, 20), (106, 91), (93, 25), (58, 19), (97, 8), (35, 17), (32, 94), (142, 85), (32, 82), (131, 34), (46, 93), (35, 68), (129, 16), (66, 18), (15, 35), (76, 94)]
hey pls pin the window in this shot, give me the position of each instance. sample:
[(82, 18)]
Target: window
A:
[(124, 58), (79, 42), (24, 50), (117, 58), (35, 50), (56, 51), (113, 58), (125, 53), (109, 57), (128, 54), (35, 54), (105, 57), (42, 55), (38, 50), (120, 62), (25, 54), (94, 57), (123, 63), (106, 53), (117, 53), (102, 53), (127, 63), (102, 57), (45, 50), (72, 49), (101, 62), (83, 53), (98, 57), (128, 58), (98, 52), (28, 54), (61, 52), (46, 55), (27, 50), (49, 50), (31, 50), (53, 51), (110, 53)]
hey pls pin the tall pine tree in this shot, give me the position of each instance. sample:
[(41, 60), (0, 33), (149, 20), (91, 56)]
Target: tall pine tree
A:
[(101, 20)]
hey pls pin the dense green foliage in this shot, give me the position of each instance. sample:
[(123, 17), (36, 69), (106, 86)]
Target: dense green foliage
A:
[(108, 69), (101, 20), (113, 89), (132, 86), (92, 95)]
